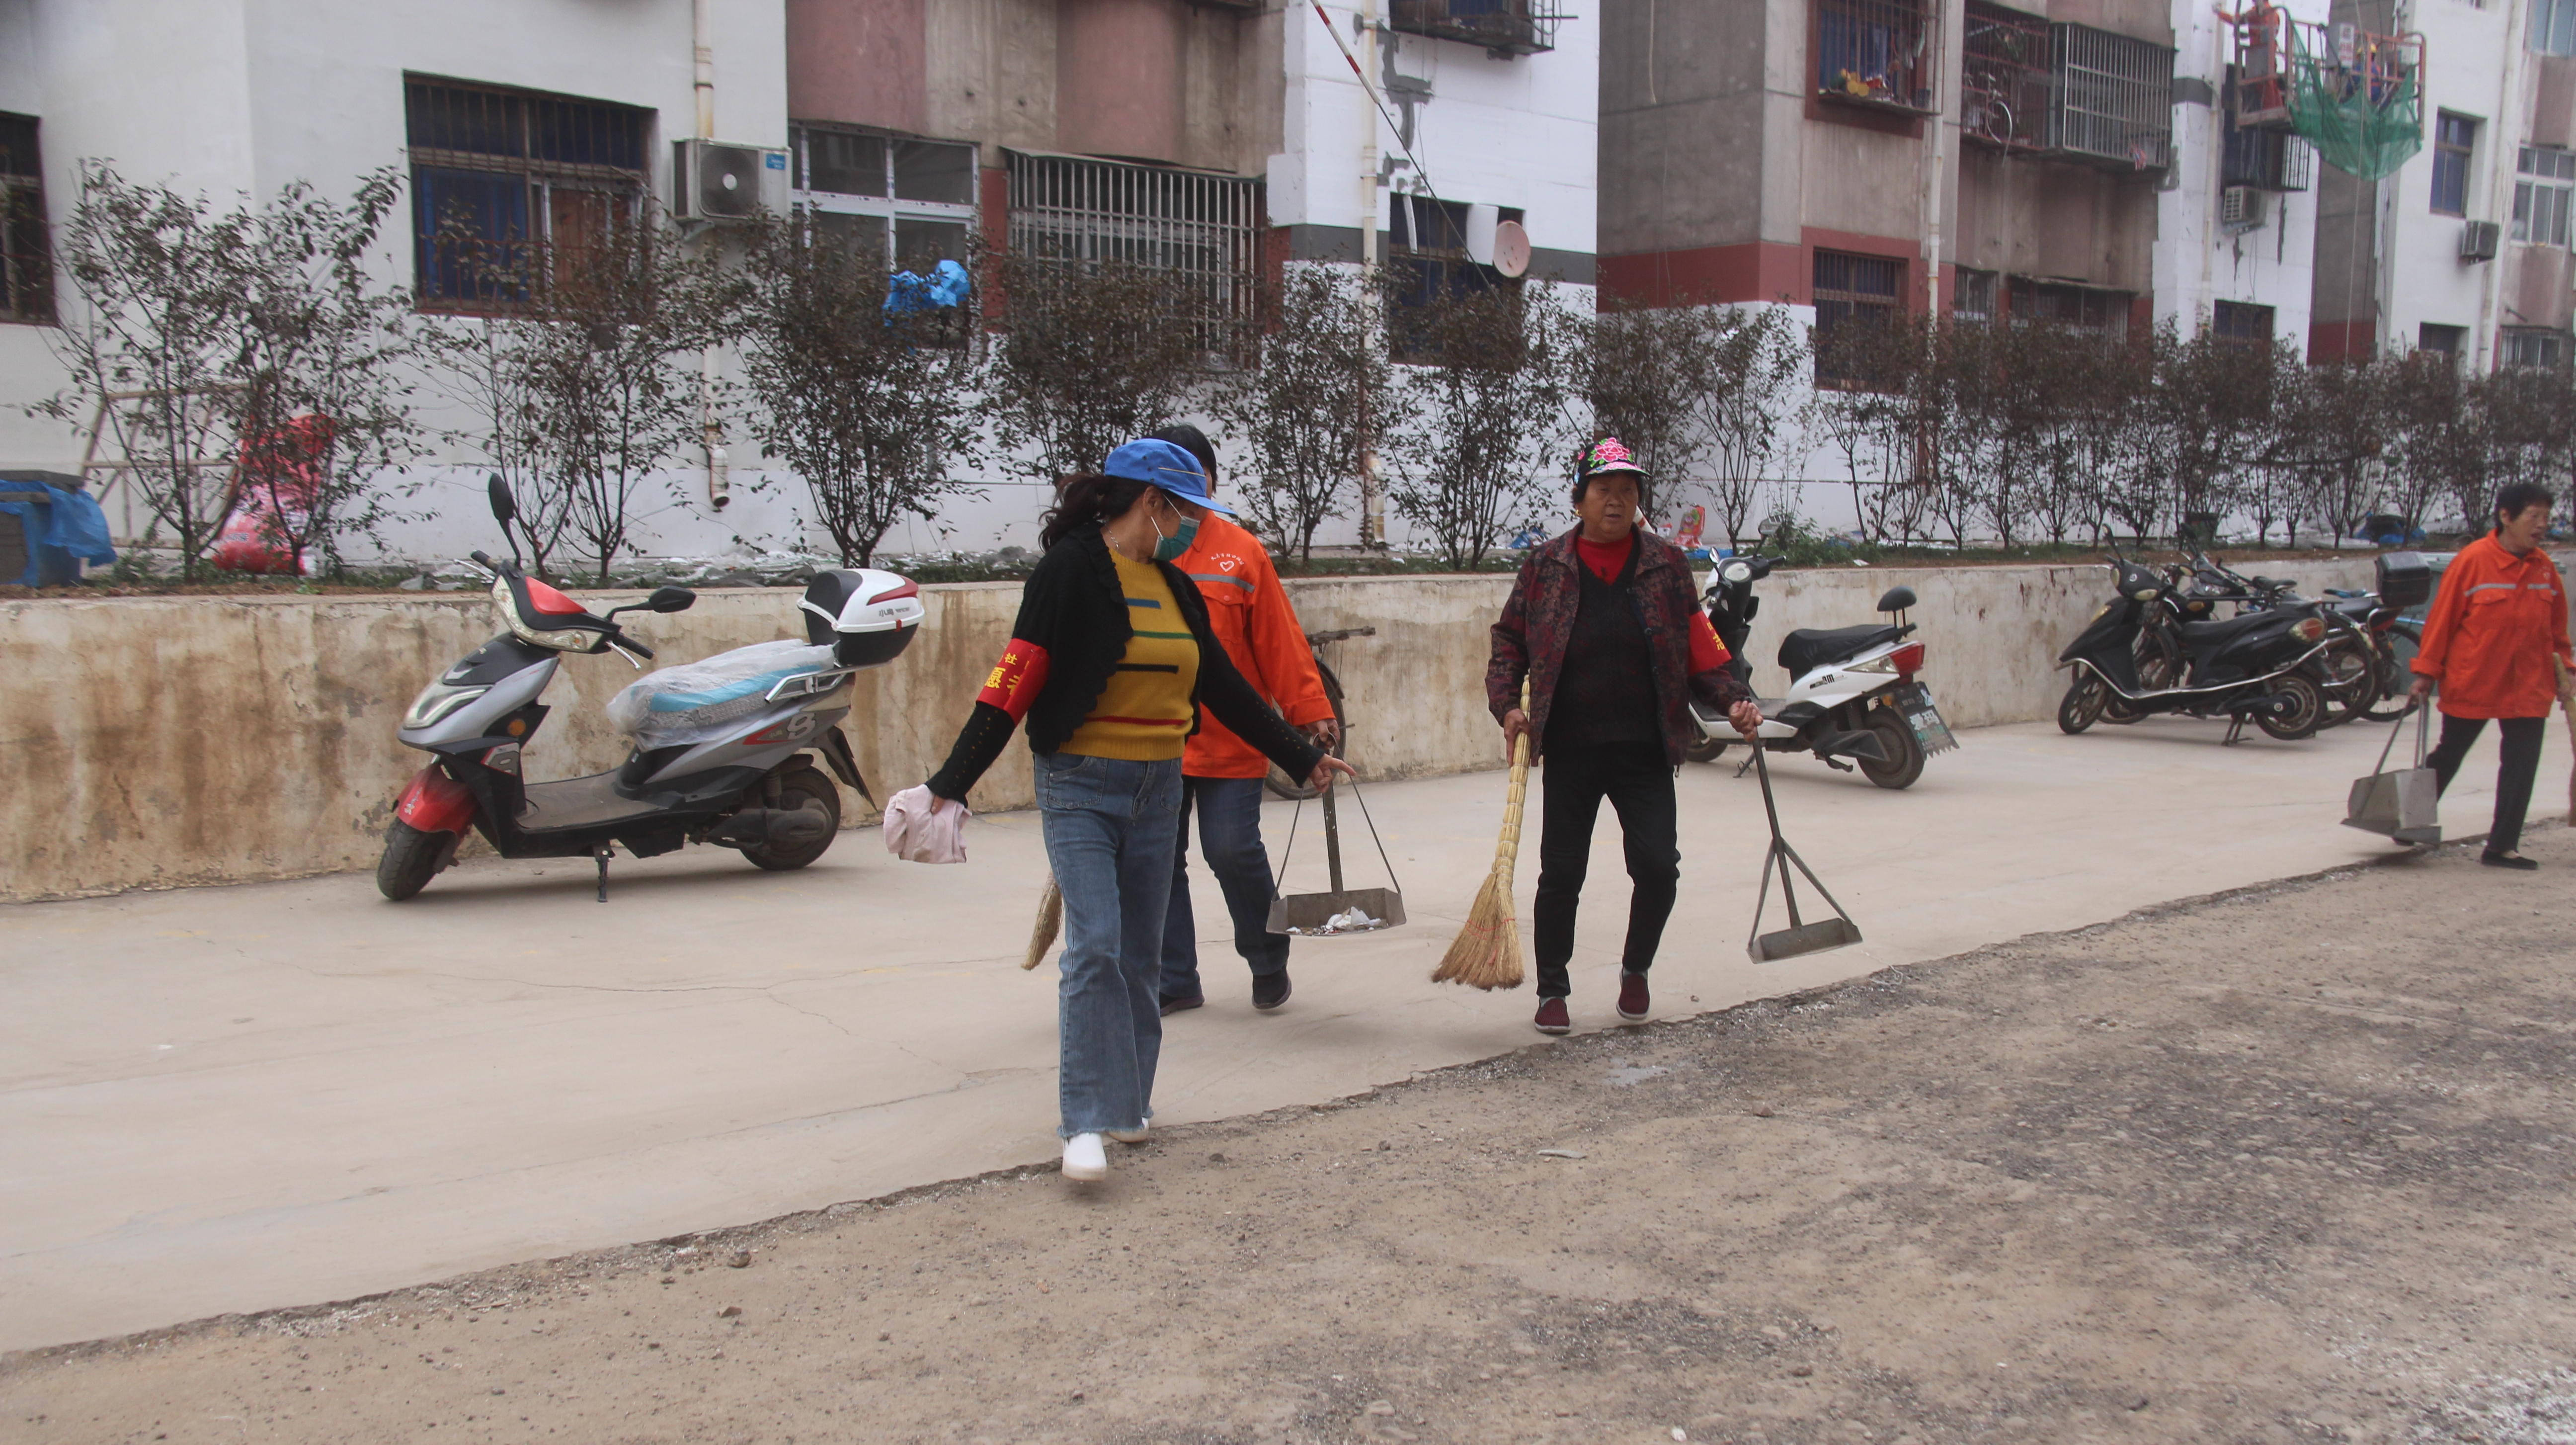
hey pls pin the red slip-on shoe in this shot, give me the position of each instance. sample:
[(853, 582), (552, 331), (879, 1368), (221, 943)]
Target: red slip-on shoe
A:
[(1552, 1017), (1634, 1001)]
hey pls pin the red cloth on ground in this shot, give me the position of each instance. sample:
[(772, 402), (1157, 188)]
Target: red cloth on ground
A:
[(1606, 560)]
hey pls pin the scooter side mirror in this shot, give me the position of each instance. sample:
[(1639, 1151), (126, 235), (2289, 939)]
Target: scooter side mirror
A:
[(670, 599), (1897, 599), (505, 508)]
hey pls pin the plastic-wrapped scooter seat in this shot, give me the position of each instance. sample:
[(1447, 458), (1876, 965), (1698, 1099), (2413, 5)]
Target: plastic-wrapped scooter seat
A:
[(695, 701)]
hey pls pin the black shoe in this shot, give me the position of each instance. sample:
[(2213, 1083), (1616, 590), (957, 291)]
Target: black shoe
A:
[(1172, 1006), (2508, 860), (1270, 990)]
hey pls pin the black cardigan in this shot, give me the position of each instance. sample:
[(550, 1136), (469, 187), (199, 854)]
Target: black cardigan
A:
[(1074, 608)]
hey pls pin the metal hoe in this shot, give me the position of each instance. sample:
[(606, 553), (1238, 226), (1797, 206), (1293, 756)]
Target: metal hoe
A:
[(1799, 937)]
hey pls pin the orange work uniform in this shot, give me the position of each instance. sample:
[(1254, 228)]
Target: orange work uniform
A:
[(2491, 630), (1249, 613)]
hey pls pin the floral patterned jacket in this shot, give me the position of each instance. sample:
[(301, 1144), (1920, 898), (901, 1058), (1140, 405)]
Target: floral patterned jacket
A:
[(1530, 640)]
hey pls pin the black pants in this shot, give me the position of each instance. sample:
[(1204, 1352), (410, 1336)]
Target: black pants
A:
[(1639, 784), (2513, 779)]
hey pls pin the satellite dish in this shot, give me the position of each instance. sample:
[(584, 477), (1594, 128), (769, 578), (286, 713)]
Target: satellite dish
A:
[(1511, 249)]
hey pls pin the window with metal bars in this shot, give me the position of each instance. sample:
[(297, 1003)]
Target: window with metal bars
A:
[(26, 241), (2241, 321), (2545, 185), (511, 186), (2114, 97), (2004, 77), (2267, 160), (1872, 52), (1427, 260), (1851, 292), (1503, 27), (1203, 227), (2537, 347), (910, 201), (1972, 295), (2061, 303)]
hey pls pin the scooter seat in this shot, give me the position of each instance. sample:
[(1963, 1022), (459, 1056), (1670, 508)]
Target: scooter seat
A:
[(1809, 648), (2209, 636)]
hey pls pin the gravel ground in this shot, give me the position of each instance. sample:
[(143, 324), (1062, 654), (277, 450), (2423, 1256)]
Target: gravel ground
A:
[(2291, 1164)]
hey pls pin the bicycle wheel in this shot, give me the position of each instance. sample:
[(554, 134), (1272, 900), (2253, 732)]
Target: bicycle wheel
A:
[(2349, 675), (1282, 785), (2394, 652)]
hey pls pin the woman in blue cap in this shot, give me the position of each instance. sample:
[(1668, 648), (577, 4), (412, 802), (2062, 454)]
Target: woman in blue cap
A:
[(1108, 664)]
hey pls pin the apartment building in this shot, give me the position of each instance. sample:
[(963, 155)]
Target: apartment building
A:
[(2463, 249), (1856, 156), (524, 118), (2236, 213), (1219, 138)]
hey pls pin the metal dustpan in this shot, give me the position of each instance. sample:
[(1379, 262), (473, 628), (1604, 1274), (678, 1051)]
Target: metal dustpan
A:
[(1800, 937), (1343, 910), (2403, 803)]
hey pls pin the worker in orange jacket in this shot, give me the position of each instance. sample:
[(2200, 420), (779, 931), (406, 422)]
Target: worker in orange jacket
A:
[(1221, 774), (2488, 643)]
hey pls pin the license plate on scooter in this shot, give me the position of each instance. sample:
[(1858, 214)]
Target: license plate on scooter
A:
[(1914, 701)]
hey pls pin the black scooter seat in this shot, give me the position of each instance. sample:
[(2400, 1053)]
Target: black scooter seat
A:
[(2210, 636), (1809, 648)]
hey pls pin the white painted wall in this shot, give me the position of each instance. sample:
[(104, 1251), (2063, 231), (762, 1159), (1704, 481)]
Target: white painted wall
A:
[(2470, 49), (2195, 262), (1519, 132), (235, 97)]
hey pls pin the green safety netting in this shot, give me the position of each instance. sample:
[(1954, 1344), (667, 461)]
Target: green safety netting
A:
[(2365, 120)]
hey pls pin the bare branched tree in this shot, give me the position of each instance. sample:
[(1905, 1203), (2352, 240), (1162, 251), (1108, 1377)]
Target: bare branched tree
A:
[(236, 356), (593, 375), (864, 390), (1495, 412), (1756, 361), (1091, 354), (1322, 398)]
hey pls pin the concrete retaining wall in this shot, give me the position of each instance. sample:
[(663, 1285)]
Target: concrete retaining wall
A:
[(152, 742)]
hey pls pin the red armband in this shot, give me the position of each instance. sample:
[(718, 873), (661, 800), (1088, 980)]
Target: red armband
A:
[(1707, 653), (1017, 679)]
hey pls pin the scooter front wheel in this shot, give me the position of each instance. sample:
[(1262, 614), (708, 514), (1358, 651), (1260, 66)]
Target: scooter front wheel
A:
[(412, 857), (2082, 705)]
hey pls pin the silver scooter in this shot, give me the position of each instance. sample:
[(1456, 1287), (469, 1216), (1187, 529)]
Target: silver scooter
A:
[(723, 749)]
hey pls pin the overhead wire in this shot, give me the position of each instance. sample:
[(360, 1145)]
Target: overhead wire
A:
[(1412, 219)]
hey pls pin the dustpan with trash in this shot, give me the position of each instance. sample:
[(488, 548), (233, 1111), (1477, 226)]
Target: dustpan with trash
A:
[(1800, 937), (1342, 910)]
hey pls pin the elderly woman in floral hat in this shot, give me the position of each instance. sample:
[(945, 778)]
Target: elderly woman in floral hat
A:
[(1606, 627)]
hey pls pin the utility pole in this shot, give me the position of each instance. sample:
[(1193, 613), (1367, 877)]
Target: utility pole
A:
[(703, 82), (1372, 499)]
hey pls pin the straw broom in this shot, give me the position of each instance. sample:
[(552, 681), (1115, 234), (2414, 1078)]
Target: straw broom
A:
[(1487, 952), (2568, 710), (1050, 918)]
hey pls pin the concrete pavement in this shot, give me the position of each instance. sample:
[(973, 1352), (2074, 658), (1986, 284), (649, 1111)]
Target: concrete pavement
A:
[(241, 1098)]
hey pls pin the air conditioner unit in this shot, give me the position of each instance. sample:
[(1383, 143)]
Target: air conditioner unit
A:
[(712, 181), (2478, 241), (2240, 208)]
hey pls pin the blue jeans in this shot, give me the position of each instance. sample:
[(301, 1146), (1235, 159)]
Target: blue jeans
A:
[(1109, 826), (1230, 839)]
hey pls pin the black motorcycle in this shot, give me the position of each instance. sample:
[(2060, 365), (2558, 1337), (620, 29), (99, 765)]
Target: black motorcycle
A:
[(2258, 667)]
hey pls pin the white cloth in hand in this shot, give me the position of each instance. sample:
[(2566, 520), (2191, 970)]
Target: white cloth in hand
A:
[(921, 827)]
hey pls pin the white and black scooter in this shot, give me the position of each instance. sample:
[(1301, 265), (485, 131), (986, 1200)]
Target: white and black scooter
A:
[(1852, 691), (723, 750)]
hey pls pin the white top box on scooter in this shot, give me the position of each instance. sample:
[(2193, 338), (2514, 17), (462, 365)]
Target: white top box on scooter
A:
[(867, 617)]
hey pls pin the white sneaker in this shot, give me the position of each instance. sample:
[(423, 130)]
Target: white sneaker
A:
[(1084, 1158), (1132, 1136)]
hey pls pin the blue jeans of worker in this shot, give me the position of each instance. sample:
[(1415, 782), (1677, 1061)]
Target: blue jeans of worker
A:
[(1109, 826), (1230, 840)]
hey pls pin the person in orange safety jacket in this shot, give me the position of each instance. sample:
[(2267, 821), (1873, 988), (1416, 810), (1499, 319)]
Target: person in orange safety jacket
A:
[(1221, 775), (2489, 638)]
